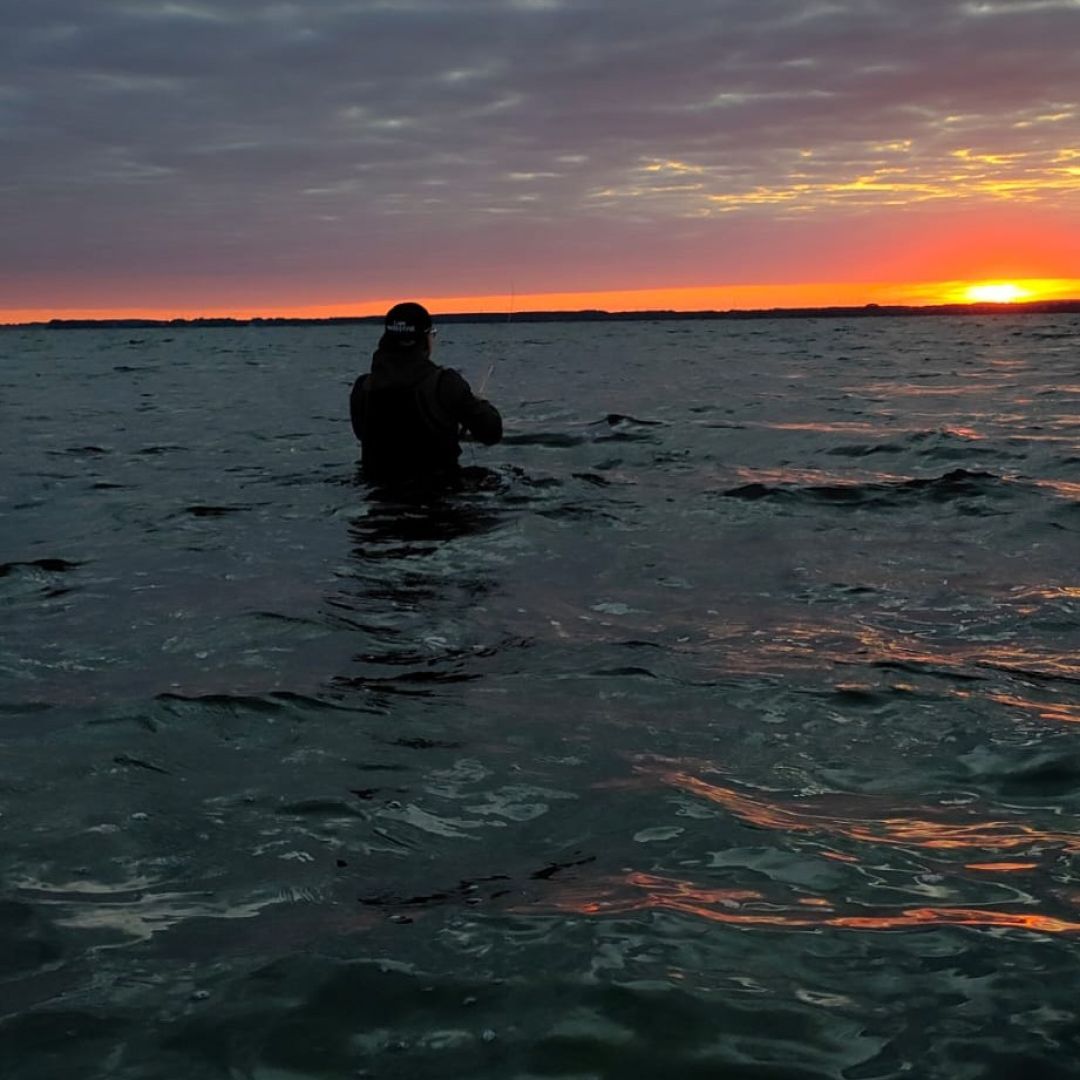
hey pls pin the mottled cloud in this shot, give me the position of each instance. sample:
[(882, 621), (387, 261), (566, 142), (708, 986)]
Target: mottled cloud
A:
[(340, 143)]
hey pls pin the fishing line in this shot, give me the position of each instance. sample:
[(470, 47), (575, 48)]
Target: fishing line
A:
[(509, 316), (484, 381)]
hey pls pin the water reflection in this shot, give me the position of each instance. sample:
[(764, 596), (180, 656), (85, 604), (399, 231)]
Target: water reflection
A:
[(326, 710), (394, 518), (814, 645), (798, 895), (636, 891), (1045, 710), (848, 816), (416, 567)]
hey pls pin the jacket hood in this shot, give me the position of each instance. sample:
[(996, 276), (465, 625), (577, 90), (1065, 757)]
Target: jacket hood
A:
[(400, 369)]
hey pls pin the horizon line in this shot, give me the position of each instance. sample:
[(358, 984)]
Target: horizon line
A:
[(1064, 306), (680, 298)]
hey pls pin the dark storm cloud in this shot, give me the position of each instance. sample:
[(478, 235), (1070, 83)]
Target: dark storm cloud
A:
[(250, 134)]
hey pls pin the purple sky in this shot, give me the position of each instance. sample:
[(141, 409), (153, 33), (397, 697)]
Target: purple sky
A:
[(336, 148)]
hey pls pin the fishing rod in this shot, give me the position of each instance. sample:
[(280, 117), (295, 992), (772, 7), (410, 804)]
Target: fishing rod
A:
[(509, 316)]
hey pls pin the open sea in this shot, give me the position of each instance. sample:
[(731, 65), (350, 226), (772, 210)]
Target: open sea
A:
[(723, 725)]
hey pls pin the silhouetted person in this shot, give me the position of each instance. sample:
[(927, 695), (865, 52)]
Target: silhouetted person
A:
[(408, 412)]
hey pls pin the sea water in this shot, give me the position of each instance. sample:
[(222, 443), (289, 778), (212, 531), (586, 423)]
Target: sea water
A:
[(722, 724)]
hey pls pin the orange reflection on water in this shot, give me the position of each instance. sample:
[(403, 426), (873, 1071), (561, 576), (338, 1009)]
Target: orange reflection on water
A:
[(913, 917), (834, 427), (1053, 592), (641, 892), (1027, 661), (880, 646), (1064, 488), (817, 644), (985, 917), (894, 831), (817, 477), (1067, 489), (638, 891), (885, 389), (1067, 714), (1001, 867)]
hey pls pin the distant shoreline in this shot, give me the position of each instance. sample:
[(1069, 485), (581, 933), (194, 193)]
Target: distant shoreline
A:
[(1034, 307)]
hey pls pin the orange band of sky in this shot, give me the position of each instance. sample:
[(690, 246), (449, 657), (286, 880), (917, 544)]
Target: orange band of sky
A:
[(699, 298)]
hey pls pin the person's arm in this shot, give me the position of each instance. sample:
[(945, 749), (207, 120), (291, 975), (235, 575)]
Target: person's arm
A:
[(356, 412), (479, 417)]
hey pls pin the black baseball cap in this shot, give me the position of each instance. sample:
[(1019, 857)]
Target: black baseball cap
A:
[(408, 320)]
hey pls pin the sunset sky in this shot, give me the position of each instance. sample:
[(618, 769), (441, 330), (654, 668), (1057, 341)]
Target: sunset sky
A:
[(327, 157)]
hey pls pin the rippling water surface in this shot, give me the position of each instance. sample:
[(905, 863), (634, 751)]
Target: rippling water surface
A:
[(723, 725)]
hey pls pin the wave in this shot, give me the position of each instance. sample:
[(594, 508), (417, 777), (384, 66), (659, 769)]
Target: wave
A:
[(52, 566), (270, 703), (927, 444), (620, 428), (557, 440), (78, 451), (954, 485), (201, 510), (410, 683), (619, 420)]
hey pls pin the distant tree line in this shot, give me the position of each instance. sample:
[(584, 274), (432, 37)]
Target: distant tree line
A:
[(1033, 307)]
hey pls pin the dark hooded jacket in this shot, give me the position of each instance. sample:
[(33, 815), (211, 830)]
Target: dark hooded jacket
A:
[(408, 414)]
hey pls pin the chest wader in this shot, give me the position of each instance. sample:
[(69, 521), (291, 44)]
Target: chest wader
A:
[(405, 435)]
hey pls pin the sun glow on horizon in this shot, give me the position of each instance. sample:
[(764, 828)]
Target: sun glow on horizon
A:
[(997, 292), (725, 297)]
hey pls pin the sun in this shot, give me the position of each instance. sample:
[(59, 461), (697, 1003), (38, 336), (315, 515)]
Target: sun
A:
[(996, 292)]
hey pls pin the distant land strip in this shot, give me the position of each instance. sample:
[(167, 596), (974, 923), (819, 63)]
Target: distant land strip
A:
[(1031, 307)]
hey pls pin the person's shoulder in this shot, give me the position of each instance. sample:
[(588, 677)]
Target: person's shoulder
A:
[(451, 383), (452, 375)]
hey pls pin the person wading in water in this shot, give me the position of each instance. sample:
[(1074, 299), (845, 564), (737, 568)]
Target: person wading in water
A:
[(408, 413)]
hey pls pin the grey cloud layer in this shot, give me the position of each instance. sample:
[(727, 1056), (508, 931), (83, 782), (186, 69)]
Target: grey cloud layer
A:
[(238, 130)]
